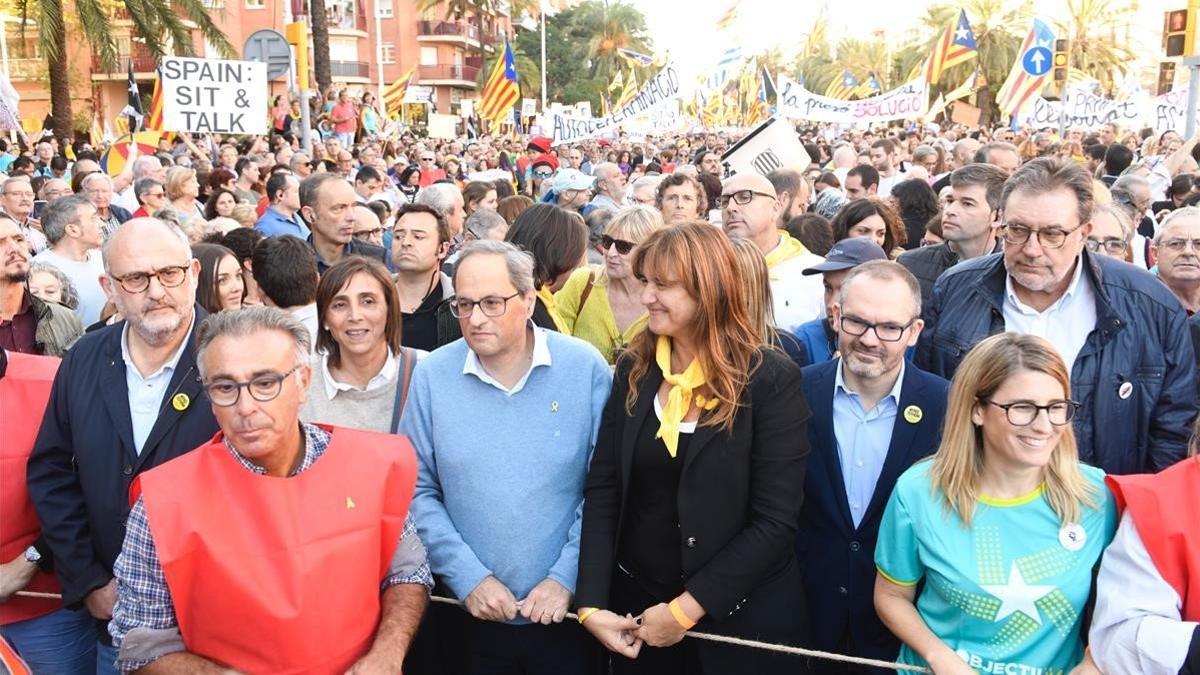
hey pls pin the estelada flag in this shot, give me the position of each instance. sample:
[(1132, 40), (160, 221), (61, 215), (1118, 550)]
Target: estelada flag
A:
[(114, 159)]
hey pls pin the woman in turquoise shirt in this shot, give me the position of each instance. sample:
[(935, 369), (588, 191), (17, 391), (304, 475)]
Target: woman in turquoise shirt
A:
[(1003, 525)]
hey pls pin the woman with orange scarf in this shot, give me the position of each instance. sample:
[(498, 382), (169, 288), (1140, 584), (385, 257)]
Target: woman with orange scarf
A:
[(693, 498)]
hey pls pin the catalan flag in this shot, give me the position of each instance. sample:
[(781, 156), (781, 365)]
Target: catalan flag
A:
[(629, 92), (155, 120), (635, 58), (501, 91), (956, 45), (617, 84), (393, 96), (729, 17), (869, 87), (842, 86), (1022, 85), (974, 83)]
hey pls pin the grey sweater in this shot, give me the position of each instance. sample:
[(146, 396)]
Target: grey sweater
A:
[(366, 410)]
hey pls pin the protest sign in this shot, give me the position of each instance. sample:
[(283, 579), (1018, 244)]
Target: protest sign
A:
[(1168, 112), (214, 95), (1085, 111), (528, 107), (657, 91), (907, 101), (418, 93), (771, 145), (442, 126), (964, 113)]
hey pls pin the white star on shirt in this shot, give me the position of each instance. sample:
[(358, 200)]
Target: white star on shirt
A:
[(1017, 596)]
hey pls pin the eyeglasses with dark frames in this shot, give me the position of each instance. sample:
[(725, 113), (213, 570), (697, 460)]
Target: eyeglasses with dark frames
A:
[(1112, 245), (491, 306), (1051, 237), (138, 282), (886, 332), (264, 389), (1023, 413), (741, 197), (623, 247)]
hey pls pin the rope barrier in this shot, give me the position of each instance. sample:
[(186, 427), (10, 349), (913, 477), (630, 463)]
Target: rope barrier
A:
[(725, 639)]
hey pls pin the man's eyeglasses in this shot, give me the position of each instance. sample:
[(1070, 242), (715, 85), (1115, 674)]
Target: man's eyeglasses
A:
[(1113, 246), (492, 306), (1023, 413), (368, 234), (1178, 245), (426, 159), (138, 282), (623, 247), (264, 388), (886, 332), (1051, 237), (741, 197)]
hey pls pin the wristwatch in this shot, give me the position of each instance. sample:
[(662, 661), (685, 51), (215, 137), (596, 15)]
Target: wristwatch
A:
[(32, 555)]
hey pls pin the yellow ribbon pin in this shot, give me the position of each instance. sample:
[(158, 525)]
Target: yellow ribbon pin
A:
[(913, 414), (180, 402), (349, 503)]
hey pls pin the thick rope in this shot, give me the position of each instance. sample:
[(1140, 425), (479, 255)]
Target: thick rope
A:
[(740, 642)]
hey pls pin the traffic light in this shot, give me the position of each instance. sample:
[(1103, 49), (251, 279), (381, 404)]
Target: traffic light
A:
[(1062, 47), (296, 34), (1166, 77), (1179, 32)]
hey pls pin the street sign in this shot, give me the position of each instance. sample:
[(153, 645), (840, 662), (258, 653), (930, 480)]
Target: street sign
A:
[(1037, 61), (269, 47)]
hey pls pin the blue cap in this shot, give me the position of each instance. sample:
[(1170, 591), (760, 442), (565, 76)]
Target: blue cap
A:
[(847, 253)]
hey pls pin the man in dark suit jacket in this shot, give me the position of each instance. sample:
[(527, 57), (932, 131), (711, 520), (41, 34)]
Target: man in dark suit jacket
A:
[(874, 415), (125, 399)]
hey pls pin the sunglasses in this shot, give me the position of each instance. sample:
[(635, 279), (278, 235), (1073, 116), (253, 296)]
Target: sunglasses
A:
[(623, 247), (542, 174)]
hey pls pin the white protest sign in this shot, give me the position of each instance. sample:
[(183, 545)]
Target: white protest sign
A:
[(1168, 112), (528, 107), (907, 101), (418, 93), (666, 118), (442, 126), (466, 108), (214, 95), (657, 91), (771, 145), (1084, 110)]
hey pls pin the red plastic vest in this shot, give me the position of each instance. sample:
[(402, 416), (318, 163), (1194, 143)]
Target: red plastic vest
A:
[(1165, 507), (24, 391), (281, 575)]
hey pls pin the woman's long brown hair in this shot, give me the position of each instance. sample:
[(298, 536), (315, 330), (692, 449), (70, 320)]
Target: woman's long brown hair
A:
[(699, 257)]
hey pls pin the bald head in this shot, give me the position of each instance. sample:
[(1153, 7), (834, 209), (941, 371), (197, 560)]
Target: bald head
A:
[(138, 234), (750, 209), (748, 181)]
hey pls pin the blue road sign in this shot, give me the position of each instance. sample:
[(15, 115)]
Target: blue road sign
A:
[(1037, 61)]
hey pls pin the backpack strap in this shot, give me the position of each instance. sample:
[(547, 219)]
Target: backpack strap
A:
[(404, 376), (587, 290)]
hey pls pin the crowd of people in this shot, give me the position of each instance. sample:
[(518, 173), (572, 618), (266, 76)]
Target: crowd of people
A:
[(928, 400)]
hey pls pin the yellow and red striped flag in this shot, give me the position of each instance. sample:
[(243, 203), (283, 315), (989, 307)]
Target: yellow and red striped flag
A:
[(393, 96), (501, 91), (154, 121), (842, 86), (956, 45), (1030, 71)]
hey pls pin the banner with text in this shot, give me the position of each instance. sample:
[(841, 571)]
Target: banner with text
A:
[(214, 95), (1089, 111), (908, 101), (657, 91)]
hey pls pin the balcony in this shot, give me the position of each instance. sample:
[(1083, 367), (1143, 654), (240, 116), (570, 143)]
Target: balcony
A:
[(348, 17), (451, 31), (350, 69), (144, 66), (27, 70), (452, 74)]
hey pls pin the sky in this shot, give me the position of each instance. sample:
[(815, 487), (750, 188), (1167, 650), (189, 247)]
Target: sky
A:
[(687, 27)]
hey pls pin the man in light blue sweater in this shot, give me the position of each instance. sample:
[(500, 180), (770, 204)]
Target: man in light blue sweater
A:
[(504, 422)]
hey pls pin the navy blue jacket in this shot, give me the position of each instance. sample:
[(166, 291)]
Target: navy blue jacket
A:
[(837, 559), (1141, 339), (84, 458)]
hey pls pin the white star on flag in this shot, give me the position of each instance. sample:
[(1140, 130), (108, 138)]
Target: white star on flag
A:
[(1017, 596), (960, 34)]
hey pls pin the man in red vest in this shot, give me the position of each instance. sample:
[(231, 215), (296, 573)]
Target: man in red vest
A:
[(279, 546), (49, 637), (1147, 617)]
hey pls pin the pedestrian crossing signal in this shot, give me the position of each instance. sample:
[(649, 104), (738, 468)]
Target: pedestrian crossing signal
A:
[(1061, 48), (1179, 32)]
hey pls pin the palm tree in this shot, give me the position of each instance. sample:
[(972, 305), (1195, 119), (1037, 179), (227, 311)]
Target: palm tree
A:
[(160, 25), (610, 27), (320, 44), (1095, 49)]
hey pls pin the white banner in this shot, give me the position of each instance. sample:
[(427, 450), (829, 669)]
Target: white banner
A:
[(214, 95), (418, 93), (772, 145), (657, 91), (907, 101), (9, 105), (1168, 112), (1085, 111)]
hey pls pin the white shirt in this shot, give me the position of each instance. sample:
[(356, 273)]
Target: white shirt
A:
[(886, 184), (385, 375), (541, 357), (796, 298), (85, 276), (146, 393), (1066, 323), (307, 315), (126, 199), (1137, 626)]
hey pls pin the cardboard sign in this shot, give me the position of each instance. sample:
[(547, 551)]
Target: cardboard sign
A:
[(214, 95), (964, 113)]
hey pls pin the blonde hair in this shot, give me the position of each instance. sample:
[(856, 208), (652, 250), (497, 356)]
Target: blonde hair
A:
[(958, 463), (175, 178), (632, 223), (756, 286)]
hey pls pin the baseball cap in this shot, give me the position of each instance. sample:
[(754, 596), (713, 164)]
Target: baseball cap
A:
[(539, 143), (544, 159), (573, 179), (847, 253)]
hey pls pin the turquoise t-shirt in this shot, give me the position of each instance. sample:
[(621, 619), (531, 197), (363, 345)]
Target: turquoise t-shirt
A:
[(1008, 593)]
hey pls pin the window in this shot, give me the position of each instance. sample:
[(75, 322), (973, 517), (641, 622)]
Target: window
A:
[(343, 49), (384, 9), (387, 52), (429, 56), (456, 95), (255, 4)]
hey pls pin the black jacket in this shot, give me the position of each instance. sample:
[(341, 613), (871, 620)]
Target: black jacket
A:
[(739, 502), (1135, 376), (84, 459), (928, 262)]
